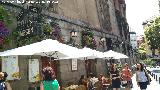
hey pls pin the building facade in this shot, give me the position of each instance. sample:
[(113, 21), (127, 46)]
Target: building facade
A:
[(133, 40), (99, 24)]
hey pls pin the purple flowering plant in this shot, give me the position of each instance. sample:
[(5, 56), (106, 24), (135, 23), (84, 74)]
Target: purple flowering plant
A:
[(56, 30), (4, 33)]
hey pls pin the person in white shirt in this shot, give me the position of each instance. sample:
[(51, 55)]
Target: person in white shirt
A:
[(141, 77)]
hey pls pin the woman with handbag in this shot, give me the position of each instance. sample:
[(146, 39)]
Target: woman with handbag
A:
[(115, 77), (126, 77), (141, 77)]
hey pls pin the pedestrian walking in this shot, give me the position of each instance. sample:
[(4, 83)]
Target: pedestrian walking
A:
[(49, 80), (127, 77), (115, 77), (141, 77)]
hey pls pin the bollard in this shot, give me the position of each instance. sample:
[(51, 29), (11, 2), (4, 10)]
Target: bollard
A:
[(156, 78), (159, 80), (149, 72), (152, 74)]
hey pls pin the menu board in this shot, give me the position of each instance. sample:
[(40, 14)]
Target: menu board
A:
[(10, 65), (34, 75), (74, 64)]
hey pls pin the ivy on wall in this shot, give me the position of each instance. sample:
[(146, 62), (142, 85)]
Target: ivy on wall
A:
[(4, 34), (56, 32), (49, 31), (52, 30), (88, 39), (5, 21)]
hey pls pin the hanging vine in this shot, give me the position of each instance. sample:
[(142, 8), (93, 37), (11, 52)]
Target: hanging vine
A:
[(33, 27), (48, 31), (53, 30), (5, 21), (56, 32), (88, 39)]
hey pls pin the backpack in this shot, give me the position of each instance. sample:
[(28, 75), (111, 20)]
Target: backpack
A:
[(2, 86)]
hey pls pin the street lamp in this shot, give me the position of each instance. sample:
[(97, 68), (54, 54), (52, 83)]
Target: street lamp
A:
[(103, 39), (73, 33), (102, 42)]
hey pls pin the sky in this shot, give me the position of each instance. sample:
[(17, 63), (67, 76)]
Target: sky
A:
[(138, 11)]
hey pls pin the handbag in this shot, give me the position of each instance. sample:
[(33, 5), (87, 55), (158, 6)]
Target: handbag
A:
[(123, 83), (148, 78)]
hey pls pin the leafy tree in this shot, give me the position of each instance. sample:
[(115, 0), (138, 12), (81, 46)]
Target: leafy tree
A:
[(142, 50), (152, 34), (149, 62)]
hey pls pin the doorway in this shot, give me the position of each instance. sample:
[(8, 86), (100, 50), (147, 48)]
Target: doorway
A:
[(53, 63)]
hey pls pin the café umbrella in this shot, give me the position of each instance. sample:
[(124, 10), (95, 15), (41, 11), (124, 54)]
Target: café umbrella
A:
[(48, 47), (114, 55), (90, 53)]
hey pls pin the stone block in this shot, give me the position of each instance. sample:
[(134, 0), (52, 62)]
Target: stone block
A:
[(65, 68), (66, 76)]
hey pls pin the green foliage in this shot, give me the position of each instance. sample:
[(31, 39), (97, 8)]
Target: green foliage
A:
[(5, 16), (152, 33), (149, 62), (48, 32), (142, 51), (5, 20), (88, 39), (142, 48), (47, 28)]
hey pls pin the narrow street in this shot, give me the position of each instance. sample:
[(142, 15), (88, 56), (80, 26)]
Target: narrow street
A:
[(153, 86)]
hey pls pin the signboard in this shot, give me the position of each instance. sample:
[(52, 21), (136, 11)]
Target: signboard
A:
[(74, 64), (34, 75), (10, 65)]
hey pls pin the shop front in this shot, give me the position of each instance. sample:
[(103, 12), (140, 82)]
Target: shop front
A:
[(24, 72)]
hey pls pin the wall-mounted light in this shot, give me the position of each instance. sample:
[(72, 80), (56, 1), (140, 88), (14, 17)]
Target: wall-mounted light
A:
[(73, 33), (102, 39)]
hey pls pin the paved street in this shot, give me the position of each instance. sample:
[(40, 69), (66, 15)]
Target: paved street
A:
[(153, 86)]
